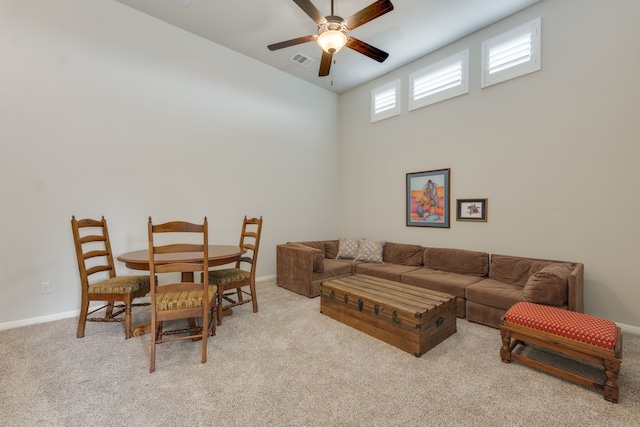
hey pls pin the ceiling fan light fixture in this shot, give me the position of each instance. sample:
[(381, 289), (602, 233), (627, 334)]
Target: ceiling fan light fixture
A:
[(331, 41)]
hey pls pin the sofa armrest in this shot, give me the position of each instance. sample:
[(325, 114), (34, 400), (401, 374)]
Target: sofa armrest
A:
[(575, 290), (294, 268)]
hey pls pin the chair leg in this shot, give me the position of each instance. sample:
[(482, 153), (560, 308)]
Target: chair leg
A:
[(192, 323), (156, 328), (254, 300), (152, 358), (109, 312), (213, 320), (219, 308), (214, 314), (127, 320), (205, 334), (82, 320)]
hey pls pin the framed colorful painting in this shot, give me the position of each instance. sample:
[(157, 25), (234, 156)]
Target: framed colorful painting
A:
[(428, 198), (471, 210)]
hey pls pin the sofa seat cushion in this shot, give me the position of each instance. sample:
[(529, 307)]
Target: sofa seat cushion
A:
[(335, 267), (385, 271), (403, 254), (442, 281), (459, 261), (495, 293)]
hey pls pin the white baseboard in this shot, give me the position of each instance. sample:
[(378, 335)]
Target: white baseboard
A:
[(630, 329), (42, 319), (76, 313)]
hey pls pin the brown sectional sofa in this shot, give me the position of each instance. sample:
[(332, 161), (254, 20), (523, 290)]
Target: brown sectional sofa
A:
[(485, 285)]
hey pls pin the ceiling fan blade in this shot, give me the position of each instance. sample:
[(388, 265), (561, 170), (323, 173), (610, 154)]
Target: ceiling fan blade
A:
[(370, 12), (366, 49), (311, 10), (325, 64), (292, 42)]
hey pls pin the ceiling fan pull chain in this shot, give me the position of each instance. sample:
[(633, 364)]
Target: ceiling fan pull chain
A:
[(334, 63)]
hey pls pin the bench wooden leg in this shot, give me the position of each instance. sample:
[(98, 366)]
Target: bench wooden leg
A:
[(515, 335), (610, 388), (505, 351)]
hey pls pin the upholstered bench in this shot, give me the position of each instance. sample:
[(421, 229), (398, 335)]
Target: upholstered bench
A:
[(573, 334)]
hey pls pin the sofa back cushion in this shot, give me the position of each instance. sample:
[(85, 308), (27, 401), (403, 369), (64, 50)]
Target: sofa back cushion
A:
[(402, 254), (514, 270), (457, 261), (331, 248), (549, 285)]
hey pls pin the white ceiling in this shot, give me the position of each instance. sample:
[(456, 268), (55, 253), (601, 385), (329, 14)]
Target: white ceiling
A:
[(413, 29)]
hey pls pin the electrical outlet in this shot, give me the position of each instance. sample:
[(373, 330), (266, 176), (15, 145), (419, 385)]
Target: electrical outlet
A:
[(46, 288)]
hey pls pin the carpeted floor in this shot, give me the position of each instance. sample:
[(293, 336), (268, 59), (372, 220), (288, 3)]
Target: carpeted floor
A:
[(289, 365)]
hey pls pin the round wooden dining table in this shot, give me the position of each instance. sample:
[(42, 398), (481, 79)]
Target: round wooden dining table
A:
[(218, 255)]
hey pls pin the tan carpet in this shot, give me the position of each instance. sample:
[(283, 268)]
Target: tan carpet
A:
[(289, 365)]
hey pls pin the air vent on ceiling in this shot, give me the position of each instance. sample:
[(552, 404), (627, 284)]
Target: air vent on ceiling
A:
[(302, 59)]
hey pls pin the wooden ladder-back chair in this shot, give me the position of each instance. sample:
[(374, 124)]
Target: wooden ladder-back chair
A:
[(184, 299), (235, 279), (98, 278)]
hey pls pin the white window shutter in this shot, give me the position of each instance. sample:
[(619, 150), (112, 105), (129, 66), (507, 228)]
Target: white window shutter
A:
[(385, 101), (511, 54), (443, 80)]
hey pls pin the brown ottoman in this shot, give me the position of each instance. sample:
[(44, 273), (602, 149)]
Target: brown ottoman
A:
[(573, 334)]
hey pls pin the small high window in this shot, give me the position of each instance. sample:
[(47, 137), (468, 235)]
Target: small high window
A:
[(443, 80), (511, 54), (385, 101)]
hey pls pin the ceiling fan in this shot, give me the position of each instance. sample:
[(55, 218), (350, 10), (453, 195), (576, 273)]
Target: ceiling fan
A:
[(332, 32)]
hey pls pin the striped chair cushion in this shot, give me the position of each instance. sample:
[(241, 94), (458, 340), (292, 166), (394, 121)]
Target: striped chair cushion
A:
[(228, 275), (181, 300), (119, 285), (569, 324)]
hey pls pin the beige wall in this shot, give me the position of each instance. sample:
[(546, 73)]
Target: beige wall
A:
[(556, 152), (101, 108), (107, 111)]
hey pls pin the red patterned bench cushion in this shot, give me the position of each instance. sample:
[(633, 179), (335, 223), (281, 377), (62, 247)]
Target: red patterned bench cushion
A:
[(569, 324)]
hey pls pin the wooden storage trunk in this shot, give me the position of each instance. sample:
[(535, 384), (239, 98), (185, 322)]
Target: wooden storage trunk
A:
[(408, 317)]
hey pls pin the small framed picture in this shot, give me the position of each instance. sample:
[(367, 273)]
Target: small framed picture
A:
[(471, 210)]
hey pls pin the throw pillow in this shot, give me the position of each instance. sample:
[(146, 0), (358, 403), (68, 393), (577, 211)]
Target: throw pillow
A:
[(370, 251), (549, 285), (348, 248)]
